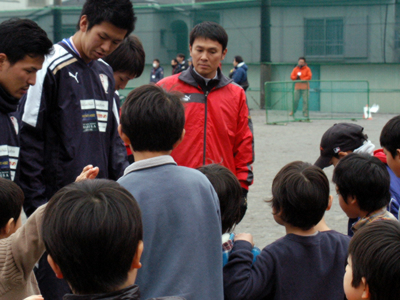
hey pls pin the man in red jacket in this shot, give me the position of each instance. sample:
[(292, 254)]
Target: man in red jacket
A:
[(218, 126), (301, 72)]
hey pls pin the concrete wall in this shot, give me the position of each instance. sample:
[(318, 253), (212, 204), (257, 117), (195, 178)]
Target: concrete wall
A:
[(364, 28)]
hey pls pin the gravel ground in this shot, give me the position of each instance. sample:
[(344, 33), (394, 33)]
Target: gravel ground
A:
[(277, 145)]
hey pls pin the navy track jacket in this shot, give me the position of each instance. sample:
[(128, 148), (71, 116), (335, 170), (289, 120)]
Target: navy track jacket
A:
[(9, 144), (69, 120)]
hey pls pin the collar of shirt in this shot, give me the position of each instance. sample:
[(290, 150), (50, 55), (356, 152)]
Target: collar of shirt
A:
[(149, 163)]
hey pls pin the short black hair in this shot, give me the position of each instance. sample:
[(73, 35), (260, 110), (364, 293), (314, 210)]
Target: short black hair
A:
[(390, 136), (11, 200), (92, 229), (157, 60), (365, 177), (300, 192), (238, 59), (120, 13), (181, 55), (209, 30), (128, 57), (21, 37), (303, 58), (374, 252), (229, 193), (152, 118)]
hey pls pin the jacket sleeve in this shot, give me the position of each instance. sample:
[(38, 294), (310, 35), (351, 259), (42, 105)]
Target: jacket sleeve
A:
[(293, 76), (244, 280), (33, 110), (20, 252), (238, 75), (118, 158), (307, 75), (160, 74), (243, 151)]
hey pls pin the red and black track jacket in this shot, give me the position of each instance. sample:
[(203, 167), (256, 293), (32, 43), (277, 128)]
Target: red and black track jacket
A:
[(218, 125)]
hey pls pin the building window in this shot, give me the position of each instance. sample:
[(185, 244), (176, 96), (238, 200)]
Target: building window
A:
[(323, 37)]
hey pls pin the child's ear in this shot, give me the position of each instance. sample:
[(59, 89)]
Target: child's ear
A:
[(123, 136), (397, 154), (366, 294), (55, 267), (343, 154), (180, 140), (5, 231), (136, 264), (329, 203)]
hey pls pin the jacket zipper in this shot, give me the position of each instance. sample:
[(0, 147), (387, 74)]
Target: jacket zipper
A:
[(205, 129)]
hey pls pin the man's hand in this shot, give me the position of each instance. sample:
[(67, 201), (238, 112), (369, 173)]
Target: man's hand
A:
[(88, 172), (244, 237)]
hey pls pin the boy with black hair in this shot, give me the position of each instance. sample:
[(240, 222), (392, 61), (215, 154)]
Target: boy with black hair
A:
[(127, 61), (19, 249), (305, 264), (344, 138), (181, 220), (362, 184), (390, 142), (69, 117), (23, 45), (79, 218), (373, 269), (229, 193), (218, 125)]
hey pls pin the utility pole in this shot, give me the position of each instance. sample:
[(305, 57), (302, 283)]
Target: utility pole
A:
[(57, 21), (265, 58)]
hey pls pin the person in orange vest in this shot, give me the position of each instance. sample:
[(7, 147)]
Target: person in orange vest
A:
[(301, 72)]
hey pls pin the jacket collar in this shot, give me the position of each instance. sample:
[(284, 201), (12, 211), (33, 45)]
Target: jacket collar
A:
[(190, 77), (8, 103), (150, 163), (130, 293)]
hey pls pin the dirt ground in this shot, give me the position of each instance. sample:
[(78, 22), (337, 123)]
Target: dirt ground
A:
[(277, 145)]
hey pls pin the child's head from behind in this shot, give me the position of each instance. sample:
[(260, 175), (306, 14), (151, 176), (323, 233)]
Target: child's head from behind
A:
[(362, 183), (127, 61), (373, 268), (152, 119), (11, 200), (300, 195), (93, 231), (390, 142), (229, 193)]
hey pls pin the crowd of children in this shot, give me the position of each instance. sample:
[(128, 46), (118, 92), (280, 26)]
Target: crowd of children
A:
[(154, 231)]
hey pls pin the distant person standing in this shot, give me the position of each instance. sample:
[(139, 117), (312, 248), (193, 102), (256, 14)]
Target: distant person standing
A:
[(157, 73), (174, 65), (182, 63), (301, 72), (239, 72)]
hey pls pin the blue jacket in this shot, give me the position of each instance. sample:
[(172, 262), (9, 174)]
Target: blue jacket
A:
[(69, 120), (240, 74), (181, 230), (9, 143), (156, 74)]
